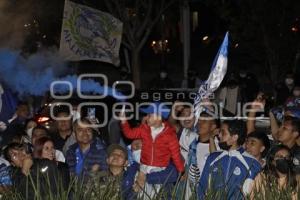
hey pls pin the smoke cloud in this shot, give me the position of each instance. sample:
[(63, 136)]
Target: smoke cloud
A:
[(34, 75)]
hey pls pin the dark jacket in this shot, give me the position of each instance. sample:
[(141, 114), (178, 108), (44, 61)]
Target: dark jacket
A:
[(64, 175), (96, 155), (43, 177)]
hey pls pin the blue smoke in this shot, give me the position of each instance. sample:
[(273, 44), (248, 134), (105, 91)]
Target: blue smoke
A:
[(34, 75)]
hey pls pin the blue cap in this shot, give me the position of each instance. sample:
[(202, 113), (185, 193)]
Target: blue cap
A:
[(157, 108), (295, 112)]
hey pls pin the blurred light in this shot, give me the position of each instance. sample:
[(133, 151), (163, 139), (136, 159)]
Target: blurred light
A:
[(294, 29), (236, 45), (160, 46), (205, 38), (43, 119), (50, 104)]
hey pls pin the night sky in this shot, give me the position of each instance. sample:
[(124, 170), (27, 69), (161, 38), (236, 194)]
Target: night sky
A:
[(259, 30)]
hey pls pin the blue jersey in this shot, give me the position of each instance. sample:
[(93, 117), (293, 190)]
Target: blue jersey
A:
[(228, 175)]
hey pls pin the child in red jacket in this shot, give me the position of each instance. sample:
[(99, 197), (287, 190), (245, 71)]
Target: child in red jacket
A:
[(159, 140)]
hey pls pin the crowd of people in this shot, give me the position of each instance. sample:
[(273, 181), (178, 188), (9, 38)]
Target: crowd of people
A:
[(162, 155)]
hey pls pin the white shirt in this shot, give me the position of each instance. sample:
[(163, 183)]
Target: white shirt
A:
[(202, 154), (155, 131), (59, 156)]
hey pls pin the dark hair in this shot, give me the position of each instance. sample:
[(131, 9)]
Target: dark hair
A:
[(262, 136), (270, 169), (40, 127), (84, 120), (61, 109), (38, 146), (12, 146), (237, 127), (215, 119), (295, 122)]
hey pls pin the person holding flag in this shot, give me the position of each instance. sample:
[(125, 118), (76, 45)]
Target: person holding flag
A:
[(205, 124)]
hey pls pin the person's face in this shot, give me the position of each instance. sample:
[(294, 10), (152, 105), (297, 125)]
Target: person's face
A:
[(289, 80), (206, 125), (84, 133), (225, 135), (117, 158), (136, 145), (65, 124), (281, 154), (23, 111), (189, 120), (154, 120), (254, 147), (37, 134), (48, 151), (17, 157), (296, 92), (285, 132)]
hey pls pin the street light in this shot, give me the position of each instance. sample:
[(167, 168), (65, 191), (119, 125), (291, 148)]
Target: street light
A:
[(160, 46)]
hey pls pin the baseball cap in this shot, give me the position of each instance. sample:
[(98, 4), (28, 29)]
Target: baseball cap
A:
[(157, 108)]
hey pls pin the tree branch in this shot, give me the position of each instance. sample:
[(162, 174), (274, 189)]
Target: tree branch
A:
[(146, 20), (151, 25)]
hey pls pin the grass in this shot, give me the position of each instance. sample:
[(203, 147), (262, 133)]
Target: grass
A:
[(110, 191)]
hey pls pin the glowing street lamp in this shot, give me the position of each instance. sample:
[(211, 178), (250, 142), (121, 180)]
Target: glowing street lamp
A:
[(160, 46)]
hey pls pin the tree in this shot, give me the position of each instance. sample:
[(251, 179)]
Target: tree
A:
[(139, 18)]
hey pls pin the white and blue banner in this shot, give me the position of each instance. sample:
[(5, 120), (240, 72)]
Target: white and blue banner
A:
[(89, 34), (217, 73)]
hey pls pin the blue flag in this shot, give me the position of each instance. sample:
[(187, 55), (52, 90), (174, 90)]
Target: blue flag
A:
[(217, 73)]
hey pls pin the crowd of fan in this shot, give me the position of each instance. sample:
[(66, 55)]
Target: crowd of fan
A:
[(163, 153)]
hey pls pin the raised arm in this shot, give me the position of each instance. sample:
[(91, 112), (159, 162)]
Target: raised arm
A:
[(257, 105), (274, 126), (131, 133), (176, 109)]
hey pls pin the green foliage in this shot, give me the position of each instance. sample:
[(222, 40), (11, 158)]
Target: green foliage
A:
[(96, 191)]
